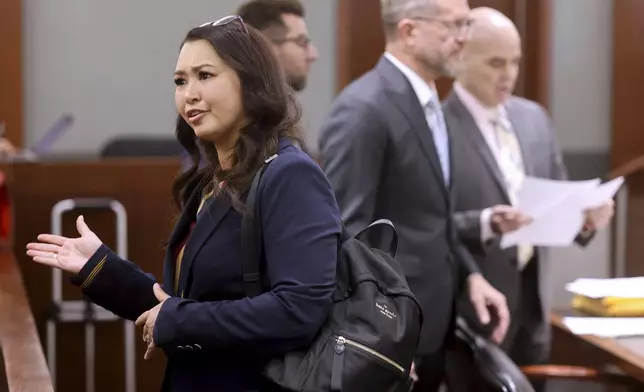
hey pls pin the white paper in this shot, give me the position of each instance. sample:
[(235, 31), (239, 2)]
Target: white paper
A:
[(608, 327), (604, 192), (557, 209), (601, 288), (538, 195)]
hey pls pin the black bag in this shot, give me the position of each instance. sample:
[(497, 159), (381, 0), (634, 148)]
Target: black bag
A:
[(370, 337)]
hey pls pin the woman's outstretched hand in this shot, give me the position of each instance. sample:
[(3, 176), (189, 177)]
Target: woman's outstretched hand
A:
[(68, 254)]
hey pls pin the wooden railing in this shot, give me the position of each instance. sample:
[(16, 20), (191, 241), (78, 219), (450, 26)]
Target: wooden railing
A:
[(627, 227), (628, 168), (25, 365)]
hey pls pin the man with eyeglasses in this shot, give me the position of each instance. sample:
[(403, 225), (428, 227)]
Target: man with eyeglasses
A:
[(500, 138), (386, 152), (282, 23)]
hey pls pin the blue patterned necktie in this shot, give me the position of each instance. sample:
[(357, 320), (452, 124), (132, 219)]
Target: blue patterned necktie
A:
[(436, 120)]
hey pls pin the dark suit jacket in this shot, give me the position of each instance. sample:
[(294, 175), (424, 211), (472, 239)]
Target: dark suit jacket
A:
[(214, 337), (378, 152), (479, 184)]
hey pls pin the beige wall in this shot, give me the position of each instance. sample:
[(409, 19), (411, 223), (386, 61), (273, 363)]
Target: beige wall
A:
[(110, 63), (580, 105)]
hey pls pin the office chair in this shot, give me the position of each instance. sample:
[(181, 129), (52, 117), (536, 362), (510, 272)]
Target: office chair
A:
[(138, 146), (498, 373)]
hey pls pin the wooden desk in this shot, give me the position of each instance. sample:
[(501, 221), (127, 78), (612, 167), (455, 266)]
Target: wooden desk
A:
[(143, 186), (624, 354), (25, 365)]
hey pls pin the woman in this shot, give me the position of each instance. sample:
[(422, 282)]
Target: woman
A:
[(234, 105)]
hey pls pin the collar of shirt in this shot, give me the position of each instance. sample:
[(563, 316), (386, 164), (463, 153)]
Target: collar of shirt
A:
[(481, 113), (423, 91)]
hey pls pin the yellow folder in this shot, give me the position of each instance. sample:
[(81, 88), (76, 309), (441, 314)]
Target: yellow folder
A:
[(609, 306)]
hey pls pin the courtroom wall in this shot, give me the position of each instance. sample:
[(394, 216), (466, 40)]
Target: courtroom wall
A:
[(110, 64), (580, 105)]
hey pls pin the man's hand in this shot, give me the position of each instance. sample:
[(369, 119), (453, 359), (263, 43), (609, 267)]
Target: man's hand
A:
[(483, 295), (505, 219), (412, 373), (598, 218)]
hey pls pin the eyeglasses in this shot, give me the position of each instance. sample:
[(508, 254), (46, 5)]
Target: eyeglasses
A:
[(457, 27), (302, 41), (225, 20)]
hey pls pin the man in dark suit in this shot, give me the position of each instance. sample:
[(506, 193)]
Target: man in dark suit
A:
[(282, 23), (497, 140), (385, 150)]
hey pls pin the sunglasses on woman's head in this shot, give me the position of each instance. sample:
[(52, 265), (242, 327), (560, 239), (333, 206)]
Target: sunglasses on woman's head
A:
[(225, 20)]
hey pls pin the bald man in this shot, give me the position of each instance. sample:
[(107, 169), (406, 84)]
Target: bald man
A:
[(385, 150), (497, 140)]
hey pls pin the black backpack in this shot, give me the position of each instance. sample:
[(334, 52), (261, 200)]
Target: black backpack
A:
[(370, 337)]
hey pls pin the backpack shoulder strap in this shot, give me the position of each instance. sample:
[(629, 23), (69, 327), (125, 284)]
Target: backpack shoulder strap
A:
[(392, 249), (252, 236)]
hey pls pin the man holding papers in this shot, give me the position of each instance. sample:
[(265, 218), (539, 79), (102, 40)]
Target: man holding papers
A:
[(498, 140)]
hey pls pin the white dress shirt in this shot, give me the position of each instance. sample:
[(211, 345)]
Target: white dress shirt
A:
[(432, 109), (482, 116), (423, 90)]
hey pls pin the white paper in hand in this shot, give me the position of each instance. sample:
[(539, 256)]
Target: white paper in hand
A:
[(602, 194), (557, 209)]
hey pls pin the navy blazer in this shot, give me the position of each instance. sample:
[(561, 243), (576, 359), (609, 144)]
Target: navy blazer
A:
[(214, 336)]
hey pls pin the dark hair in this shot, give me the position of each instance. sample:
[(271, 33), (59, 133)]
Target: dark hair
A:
[(268, 104), (264, 14)]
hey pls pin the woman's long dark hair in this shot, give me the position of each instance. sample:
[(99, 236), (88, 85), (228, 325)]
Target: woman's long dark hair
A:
[(269, 107)]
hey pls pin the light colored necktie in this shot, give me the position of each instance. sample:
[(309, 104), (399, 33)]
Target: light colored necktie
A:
[(511, 164), (436, 121)]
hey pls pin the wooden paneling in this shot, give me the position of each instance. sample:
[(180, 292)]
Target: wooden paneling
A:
[(627, 120), (361, 42), (11, 69), (536, 51), (360, 39), (628, 80)]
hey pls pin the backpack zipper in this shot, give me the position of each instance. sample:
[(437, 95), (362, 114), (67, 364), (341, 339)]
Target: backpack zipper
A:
[(341, 341)]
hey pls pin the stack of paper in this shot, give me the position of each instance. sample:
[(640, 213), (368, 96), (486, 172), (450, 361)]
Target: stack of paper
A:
[(619, 300), (601, 288), (622, 297), (557, 209), (606, 326)]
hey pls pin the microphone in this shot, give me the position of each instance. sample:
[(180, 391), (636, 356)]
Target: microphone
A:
[(57, 129)]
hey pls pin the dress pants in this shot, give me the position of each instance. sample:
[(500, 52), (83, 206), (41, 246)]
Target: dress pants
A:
[(431, 371), (524, 342)]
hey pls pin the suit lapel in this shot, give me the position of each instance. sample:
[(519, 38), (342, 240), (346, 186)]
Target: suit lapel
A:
[(522, 132), (211, 218), (181, 229), (405, 99), (472, 133)]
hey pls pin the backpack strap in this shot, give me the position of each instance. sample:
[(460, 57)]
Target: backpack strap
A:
[(252, 236), (392, 249)]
